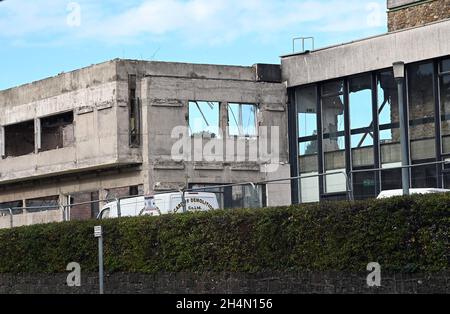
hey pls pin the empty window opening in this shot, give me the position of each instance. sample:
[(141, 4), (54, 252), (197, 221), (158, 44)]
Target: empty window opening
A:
[(125, 191), (204, 118), (242, 120), (134, 113), (15, 206), (83, 205), (134, 190), (57, 131), (19, 139), (42, 204)]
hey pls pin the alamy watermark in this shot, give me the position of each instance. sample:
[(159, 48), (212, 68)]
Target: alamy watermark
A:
[(263, 149), (376, 14), (374, 278), (74, 16), (74, 277)]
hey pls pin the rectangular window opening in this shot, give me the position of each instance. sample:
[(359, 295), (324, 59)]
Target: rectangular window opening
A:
[(57, 131), (15, 206), (242, 120), (19, 139), (42, 204), (134, 113), (204, 118)]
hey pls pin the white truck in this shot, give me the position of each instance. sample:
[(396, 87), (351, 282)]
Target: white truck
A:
[(160, 204)]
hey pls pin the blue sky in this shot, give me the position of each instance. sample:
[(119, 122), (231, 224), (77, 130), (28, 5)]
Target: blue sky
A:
[(42, 38)]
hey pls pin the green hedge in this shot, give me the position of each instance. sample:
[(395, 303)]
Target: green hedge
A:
[(403, 234)]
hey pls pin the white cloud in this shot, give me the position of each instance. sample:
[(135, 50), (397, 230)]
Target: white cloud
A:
[(210, 21)]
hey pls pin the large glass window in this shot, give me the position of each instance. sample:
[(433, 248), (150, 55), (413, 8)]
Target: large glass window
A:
[(360, 108), (306, 102), (444, 86), (421, 124), (333, 135), (362, 138), (421, 111), (204, 118), (388, 117), (424, 176)]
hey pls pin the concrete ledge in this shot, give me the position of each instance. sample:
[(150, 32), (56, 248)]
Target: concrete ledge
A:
[(208, 166), (370, 54), (396, 4)]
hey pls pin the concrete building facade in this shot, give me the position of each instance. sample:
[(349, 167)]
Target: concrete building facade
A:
[(344, 114), (331, 116), (109, 130)]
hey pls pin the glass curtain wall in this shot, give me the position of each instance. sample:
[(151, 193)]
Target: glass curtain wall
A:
[(444, 96), (306, 104), (362, 136), (333, 125), (369, 137), (444, 87), (389, 131), (422, 124)]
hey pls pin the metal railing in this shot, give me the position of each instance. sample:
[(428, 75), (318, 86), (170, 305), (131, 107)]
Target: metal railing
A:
[(303, 39), (349, 190)]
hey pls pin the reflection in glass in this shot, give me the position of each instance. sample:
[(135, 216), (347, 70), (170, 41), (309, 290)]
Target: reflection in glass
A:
[(333, 135), (361, 121), (421, 111), (306, 103), (444, 84), (388, 115)]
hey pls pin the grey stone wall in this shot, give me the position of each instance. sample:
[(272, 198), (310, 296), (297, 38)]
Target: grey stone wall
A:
[(227, 283), (423, 12)]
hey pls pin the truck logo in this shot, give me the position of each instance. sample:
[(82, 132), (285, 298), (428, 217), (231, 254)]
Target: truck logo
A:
[(190, 205)]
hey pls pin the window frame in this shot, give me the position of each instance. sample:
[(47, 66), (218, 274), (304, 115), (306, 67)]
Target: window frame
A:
[(188, 118), (256, 124)]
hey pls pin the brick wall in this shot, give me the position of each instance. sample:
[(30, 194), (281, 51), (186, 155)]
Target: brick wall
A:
[(418, 14), (225, 283)]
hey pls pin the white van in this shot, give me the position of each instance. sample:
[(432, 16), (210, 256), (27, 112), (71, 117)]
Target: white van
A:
[(392, 193), (169, 203)]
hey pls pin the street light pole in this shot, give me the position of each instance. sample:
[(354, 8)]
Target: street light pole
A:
[(399, 75)]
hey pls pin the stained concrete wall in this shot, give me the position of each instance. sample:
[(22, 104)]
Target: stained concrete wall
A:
[(370, 54), (91, 93), (166, 103), (101, 158)]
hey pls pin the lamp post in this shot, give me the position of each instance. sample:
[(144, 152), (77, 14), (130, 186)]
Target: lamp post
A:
[(399, 75)]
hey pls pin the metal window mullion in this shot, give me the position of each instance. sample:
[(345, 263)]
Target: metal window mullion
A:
[(376, 134), (293, 145), (320, 152), (437, 124), (406, 118), (348, 144)]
